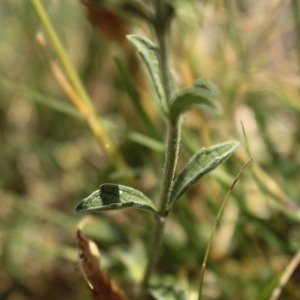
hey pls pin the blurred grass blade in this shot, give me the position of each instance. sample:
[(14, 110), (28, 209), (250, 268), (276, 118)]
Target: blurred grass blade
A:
[(127, 80), (75, 89), (61, 52), (286, 275), (287, 97), (246, 141), (148, 52), (146, 141), (115, 196), (296, 18), (202, 95), (167, 292), (269, 288), (40, 98), (204, 161), (134, 95), (207, 250)]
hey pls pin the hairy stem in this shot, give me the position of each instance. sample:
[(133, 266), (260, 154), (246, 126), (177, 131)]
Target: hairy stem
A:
[(168, 176), (172, 147)]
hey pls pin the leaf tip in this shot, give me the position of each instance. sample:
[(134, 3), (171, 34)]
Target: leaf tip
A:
[(235, 144), (129, 36), (88, 202), (80, 206)]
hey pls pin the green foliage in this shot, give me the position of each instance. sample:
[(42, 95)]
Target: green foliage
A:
[(50, 158), (149, 52), (202, 95), (115, 196), (203, 162)]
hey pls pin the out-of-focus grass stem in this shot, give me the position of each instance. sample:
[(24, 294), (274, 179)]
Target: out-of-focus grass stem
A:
[(296, 15), (75, 89)]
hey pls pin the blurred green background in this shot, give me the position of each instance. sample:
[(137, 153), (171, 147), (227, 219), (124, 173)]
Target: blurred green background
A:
[(50, 159)]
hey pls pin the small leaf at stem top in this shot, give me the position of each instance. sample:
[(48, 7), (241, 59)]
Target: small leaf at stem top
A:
[(203, 95), (204, 161), (115, 196)]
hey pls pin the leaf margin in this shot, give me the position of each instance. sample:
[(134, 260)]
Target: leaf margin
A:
[(181, 183), (112, 196), (203, 95)]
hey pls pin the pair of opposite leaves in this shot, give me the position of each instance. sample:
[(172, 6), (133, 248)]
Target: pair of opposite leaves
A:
[(116, 196), (202, 95)]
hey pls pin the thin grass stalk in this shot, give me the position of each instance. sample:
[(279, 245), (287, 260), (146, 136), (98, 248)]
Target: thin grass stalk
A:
[(61, 52), (286, 275), (208, 247), (296, 15), (76, 90)]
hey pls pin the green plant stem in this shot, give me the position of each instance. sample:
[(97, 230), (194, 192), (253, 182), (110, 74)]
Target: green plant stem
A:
[(156, 240), (173, 140), (172, 149)]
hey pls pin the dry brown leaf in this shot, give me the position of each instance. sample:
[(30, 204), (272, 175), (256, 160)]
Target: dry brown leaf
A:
[(100, 283), (106, 21), (115, 27)]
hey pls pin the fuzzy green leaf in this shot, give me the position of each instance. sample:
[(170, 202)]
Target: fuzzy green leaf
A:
[(204, 161), (148, 52), (203, 95), (114, 196)]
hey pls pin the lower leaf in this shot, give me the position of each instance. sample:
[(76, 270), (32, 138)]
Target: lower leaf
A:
[(115, 196)]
